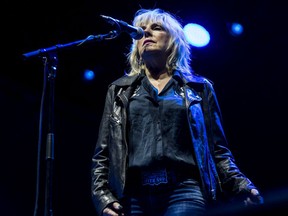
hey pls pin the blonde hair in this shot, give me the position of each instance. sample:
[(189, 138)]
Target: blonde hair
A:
[(179, 58)]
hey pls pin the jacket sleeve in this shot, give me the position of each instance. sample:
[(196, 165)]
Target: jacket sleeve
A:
[(233, 181), (101, 196)]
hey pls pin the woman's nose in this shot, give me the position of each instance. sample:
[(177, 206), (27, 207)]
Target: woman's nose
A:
[(147, 32)]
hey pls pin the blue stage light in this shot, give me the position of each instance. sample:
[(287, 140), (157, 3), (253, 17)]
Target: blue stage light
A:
[(196, 35), (89, 74)]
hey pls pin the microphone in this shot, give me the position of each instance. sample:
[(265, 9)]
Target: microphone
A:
[(135, 32)]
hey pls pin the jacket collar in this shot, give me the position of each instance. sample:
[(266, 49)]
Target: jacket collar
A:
[(127, 80), (189, 78), (184, 78)]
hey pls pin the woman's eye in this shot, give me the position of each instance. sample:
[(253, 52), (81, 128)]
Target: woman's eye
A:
[(158, 28)]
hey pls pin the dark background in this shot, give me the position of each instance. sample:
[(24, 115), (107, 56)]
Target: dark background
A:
[(249, 75)]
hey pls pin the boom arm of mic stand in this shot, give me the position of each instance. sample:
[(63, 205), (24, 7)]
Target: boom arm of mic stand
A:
[(90, 38)]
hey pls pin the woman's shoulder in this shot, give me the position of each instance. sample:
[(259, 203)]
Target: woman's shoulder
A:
[(200, 79)]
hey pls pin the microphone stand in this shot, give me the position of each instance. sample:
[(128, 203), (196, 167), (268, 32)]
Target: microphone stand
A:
[(50, 67)]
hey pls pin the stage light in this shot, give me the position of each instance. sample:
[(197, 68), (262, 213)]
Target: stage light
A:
[(196, 35), (236, 29), (89, 75)]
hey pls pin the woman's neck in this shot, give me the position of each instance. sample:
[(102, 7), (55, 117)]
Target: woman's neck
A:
[(159, 79)]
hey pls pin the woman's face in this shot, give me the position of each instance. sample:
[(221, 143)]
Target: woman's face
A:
[(155, 40)]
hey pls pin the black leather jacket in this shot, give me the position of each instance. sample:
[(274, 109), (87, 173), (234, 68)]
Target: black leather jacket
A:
[(216, 164)]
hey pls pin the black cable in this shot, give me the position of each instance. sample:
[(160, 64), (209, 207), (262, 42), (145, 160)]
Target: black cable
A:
[(40, 142)]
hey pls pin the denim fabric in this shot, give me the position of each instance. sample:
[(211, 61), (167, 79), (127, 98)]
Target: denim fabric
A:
[(182, 199)]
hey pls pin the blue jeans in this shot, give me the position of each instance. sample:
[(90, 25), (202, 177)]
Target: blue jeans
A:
[(182, 199)]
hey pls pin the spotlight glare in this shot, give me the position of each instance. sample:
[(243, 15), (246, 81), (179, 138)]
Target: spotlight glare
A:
[(89, 75), (196, 35), (236, 29)]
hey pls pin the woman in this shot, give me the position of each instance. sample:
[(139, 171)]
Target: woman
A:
[(161, 148)]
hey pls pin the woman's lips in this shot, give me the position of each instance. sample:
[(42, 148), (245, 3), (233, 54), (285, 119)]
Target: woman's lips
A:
[(147, 42)]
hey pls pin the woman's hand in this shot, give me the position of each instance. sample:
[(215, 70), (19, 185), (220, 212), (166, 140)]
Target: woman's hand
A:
[(114, 209), (254, 198)]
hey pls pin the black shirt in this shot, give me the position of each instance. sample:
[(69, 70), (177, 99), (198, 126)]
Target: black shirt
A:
[(158, 132)]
